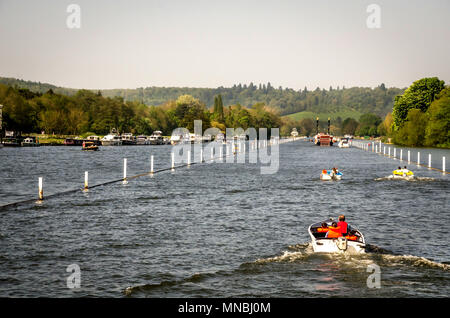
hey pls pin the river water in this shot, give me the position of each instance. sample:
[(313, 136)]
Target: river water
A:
[(219, 230)]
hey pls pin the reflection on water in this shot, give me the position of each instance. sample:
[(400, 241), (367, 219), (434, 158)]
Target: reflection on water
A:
[(218, 230)]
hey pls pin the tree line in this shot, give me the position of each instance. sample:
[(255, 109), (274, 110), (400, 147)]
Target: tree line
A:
[(89, 112), (378, 100)]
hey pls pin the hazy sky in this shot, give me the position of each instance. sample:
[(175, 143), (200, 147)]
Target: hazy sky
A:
[(196, 43)]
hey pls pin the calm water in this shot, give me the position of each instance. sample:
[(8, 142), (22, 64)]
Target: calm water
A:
[(219, 230)]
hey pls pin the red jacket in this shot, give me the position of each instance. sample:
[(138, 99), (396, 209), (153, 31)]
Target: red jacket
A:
[(344, 226)]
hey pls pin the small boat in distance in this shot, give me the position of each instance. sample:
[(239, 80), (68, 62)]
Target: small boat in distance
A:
[(344, 143), (30, 142), (89, 146), (327, 175), (323, 244), (402, 174)]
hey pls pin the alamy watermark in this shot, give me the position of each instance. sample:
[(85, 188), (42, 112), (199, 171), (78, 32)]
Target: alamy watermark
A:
[(73, 21), (374, 19), (237, 149), (374, 279), (74, 279)]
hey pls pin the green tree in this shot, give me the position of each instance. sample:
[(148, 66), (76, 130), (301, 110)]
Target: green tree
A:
[(419, 96), (412, 132), (438, 127)]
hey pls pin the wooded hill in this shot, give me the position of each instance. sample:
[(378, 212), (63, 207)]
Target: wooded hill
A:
[(285, 101)]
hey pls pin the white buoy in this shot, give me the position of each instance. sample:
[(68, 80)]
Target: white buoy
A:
[(41, 189), (86, 180), (173, 161), (429, 160), (151, 164), (125, 171)]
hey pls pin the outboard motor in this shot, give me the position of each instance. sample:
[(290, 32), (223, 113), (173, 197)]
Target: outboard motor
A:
[(342, 243)]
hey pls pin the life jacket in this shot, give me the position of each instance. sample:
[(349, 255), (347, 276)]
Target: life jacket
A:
[(334, 232), (322, 229), (344, 226), (351, 237)]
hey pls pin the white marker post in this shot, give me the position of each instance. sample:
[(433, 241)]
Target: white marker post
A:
[(212, 153), (401, 154), (418, 158), (41, 189), (201, 154), (384, 150), (429, 160), (389, 152), (151, 164), (443, 165), (189, 158), (125, 171), (395, 152), (409, 156), (173, 161), (86, 181)]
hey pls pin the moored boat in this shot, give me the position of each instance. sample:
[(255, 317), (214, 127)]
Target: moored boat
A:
[(344, 143), (111, 140), (323, 244), (30, 142)]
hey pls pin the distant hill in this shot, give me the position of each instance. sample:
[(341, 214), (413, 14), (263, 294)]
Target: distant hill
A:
[(344, 101)]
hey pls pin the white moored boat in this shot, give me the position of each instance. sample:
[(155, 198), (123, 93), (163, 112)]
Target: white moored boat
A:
[(344, 143), (111, 140), (322, 244)]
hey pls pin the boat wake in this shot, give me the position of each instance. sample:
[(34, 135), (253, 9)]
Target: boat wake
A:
[(410, 179)]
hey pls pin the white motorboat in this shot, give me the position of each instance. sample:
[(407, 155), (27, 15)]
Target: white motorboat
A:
[(111, 140), (142, 140), (322, 244), (344, 143), (328, 175), (156, 138)]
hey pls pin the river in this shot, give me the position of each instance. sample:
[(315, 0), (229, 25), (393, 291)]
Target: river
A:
[(219, 230)]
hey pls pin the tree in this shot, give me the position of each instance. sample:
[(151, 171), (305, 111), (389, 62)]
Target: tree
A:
[(419, 96), (438, 127), (349, 126), (412, 132)]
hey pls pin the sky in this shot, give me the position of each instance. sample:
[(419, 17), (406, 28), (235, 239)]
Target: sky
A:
[(208, 43)]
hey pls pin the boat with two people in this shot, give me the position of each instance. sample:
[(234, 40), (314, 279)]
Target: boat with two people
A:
[(89, 146), (402, 173), (333, 174)]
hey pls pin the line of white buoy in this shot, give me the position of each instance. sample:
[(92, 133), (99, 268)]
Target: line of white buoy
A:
[(241, 148), (374, 148)]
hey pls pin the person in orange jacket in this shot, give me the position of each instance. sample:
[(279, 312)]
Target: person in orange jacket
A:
[(334, 231), (323, 229), (351, 236)]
